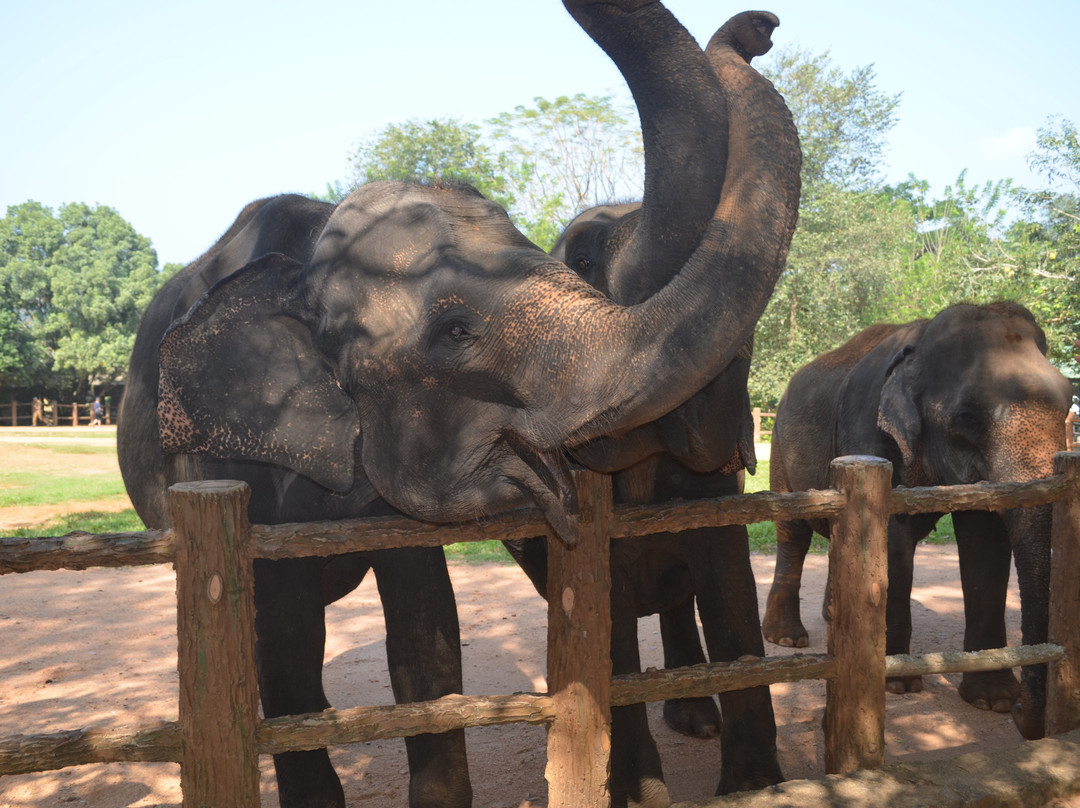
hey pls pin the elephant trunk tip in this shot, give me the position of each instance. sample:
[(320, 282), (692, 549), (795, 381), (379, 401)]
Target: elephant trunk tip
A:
[(749, 34), (1031, 722)]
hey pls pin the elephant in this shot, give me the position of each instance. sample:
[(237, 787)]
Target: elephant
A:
[(692, 452), (410, 351), (966, 396)]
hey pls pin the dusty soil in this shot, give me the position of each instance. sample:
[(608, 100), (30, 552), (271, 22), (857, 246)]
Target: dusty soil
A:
[(99, 648)]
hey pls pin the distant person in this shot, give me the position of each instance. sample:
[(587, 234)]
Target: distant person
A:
[(98, 412), (47, 412), (38, 414)]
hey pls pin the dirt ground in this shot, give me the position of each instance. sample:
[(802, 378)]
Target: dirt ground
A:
[(99, 648)]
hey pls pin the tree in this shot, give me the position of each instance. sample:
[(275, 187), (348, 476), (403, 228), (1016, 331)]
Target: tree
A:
[(567, 155), (73, 286), (846, 257), (439, 150), (1057, 153), (843, 120), (1048, 243)]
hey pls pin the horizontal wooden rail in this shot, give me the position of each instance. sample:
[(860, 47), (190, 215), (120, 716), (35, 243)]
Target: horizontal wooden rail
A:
[(979, 496), (22, 754), (82, 551)]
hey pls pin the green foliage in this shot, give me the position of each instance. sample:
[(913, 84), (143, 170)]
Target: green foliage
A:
[(569, 154), (439, 150), (843, 120), (864, 252), (73, 285), (1047, 243), (544, 163)]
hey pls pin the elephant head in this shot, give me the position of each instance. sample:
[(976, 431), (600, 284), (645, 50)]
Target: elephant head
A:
[(972, 397), (424, 344)]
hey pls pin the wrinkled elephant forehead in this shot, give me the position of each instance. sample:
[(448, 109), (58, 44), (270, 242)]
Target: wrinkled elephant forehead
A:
[(398, 230)]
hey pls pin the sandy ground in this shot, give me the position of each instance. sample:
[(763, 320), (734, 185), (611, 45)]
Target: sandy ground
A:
[(99, 648)]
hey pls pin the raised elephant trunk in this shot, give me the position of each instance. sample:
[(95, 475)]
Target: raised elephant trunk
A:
[(669, 346)]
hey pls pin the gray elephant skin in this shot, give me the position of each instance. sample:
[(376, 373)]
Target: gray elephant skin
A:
[(965, 397), (693, 452), (409, 351)]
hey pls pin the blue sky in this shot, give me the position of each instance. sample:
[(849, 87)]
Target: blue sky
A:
[(177, 115)]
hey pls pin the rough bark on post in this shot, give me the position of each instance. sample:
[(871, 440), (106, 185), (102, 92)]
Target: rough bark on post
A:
[(579, 654), (215, 608), (1063, 681), (858, 579)]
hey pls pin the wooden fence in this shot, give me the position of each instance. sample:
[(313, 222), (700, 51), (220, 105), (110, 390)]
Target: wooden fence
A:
[(1072, 427), (21, 413), (212, 546)]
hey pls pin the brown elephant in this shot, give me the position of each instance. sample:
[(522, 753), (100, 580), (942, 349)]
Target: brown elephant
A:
[(964, 397), (692, 452), (410, 351)]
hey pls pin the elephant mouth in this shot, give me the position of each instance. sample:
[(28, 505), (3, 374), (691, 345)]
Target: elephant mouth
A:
[(552, 487)]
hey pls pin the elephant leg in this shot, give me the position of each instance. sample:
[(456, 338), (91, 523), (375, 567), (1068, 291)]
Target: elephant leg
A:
[(698, 717), (727, 600), (783, 624), (985, 557), (904, 533), (636, 771), (1029, 533), (291, 635), (423, 652)]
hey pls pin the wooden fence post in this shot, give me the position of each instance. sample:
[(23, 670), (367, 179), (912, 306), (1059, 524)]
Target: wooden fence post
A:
[(215, 621), (1063, 681), (579, 654), (858, 580), (756, 412)]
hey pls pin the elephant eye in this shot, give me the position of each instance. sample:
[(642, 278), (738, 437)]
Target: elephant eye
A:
[(458, 332), (970, 423), (582, 265)]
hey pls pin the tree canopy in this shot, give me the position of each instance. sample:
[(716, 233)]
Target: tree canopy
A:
[(73, 285)]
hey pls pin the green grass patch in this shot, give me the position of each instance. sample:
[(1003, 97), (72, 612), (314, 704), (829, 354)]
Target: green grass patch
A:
[(479, 552), (86, 521), (40, 488)]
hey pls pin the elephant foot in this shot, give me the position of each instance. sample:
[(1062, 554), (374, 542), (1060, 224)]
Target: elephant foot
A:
[(903, 684), (754, 776), (697, 717), (990, 690), (789, 635), (782, 626)]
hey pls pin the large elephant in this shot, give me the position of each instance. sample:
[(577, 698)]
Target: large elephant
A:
[(964, 397), (692, 452), (410, 351)]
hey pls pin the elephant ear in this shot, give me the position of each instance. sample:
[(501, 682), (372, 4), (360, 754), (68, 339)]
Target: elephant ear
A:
[(898, 413), (242, 380)]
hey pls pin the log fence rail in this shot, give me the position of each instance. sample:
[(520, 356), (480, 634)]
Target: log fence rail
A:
[(219, 765)]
